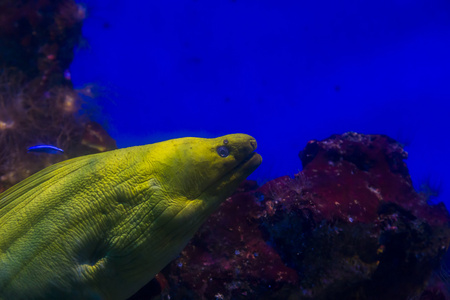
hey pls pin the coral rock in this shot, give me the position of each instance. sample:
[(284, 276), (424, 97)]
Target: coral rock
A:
[(38, 104)]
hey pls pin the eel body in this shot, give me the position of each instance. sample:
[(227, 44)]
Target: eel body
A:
[(101, 226)]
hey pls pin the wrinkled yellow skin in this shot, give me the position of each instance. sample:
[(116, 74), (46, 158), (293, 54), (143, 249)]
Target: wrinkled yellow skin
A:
[(101, 226)]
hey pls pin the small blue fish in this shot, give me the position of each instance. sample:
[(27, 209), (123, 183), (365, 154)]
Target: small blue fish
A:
[(45, 149)]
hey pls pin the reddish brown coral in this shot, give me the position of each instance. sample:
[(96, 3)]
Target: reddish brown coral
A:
[(38, 37), (358, 172)]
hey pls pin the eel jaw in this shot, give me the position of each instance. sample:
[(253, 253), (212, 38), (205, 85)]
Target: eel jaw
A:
[(227, 184)]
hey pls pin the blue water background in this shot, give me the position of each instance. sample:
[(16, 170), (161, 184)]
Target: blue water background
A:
[(285, 72)]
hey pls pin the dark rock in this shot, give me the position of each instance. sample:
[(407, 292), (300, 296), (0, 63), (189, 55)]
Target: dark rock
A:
[(38, 104)]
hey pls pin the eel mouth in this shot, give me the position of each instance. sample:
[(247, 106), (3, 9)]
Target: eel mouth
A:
[(244, 168), (236, 174), (252, 160)]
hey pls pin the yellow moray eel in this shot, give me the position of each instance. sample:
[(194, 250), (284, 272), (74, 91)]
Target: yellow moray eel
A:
[(101, 226)]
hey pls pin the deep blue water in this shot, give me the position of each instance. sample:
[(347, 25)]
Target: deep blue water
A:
[(282, 71)]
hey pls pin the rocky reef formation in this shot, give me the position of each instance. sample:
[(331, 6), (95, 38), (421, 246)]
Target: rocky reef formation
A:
[(38, 104), (349, 226)]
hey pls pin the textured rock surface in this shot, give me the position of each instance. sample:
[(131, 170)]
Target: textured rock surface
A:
[(38, 104)]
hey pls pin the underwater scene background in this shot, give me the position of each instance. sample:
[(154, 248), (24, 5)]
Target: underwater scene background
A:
[(284, 72), (348, 101)]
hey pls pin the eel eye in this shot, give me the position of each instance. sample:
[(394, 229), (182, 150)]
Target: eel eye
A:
[(223, 151)]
